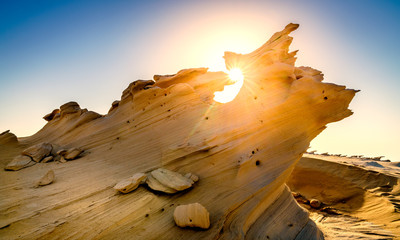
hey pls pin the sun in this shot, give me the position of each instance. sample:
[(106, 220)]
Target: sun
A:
[(230, 91)]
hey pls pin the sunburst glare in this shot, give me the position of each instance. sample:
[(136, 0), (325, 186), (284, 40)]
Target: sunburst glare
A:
[(230, 91)]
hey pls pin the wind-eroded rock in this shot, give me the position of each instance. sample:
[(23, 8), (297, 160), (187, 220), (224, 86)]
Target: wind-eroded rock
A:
[(172, 179), (130, 184), (68, 108), (52, 115), (46, 179), (192, 215), (244, 150), (72, 153), (38, 152), (19, 162), (7, 137), (157, 186)]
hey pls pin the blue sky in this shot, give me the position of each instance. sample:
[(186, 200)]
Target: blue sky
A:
[(52, 52)]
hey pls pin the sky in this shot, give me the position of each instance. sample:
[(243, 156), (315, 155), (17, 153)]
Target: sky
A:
[(52, 52)]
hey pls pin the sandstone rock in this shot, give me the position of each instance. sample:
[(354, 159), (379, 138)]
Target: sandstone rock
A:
[(7, 137), (38, 152), (47, 159), (192, 215), (114, 105), (46, 179), (172, 179), (62, 160), (130, 184), (86, 117), (6, 131), (192, 177), (51, 116), (157, 186), (68, 108), (62, 152), (72, 153), (19, 162), (315, 203), (134, 87)]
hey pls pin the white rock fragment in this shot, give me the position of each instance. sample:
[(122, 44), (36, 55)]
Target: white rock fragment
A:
[(130, 184), (72, 153), (191, 176), (172, 179), (46, 179), (19, 162), (192, 215), (38, 152), (157, 186)]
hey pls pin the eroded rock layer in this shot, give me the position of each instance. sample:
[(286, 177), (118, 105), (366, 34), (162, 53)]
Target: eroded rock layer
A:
[(242, 151)]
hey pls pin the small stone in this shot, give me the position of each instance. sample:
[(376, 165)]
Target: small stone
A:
[(315, 203), (47, 159), (157, 186), (72, 153), (172, 179), (19, 162), (192, 215), (61, 152), (191, 176), (130, 184), (39, 151), (62, 160), (296, 194), (46, 179)]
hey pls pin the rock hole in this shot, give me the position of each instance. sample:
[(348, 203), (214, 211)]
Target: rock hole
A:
[(162, 209), (117, 138), (155, 94), (323, 91), (190, 220), (325, 98), (255, 98), (252, 152), (165, 94), (169, 110), (257, 162), (127, 121), (290, 225), (147, 215), (206, 118)]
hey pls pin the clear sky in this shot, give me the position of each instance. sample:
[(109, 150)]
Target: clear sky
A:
[(52, 52)]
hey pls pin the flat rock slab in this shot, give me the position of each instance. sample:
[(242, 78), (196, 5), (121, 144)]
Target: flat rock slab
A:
[(19, 162), (130, 184), (47, 159), (172, 179), (46, 179), (192, 215), (157, 186), (39, 151), (72, 153)]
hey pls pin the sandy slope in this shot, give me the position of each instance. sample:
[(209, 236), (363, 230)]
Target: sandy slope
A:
[(367, 196)]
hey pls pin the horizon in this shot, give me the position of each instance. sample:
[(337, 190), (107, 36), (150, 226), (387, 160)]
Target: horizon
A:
[(53, 53)]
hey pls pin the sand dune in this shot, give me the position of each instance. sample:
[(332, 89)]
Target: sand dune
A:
[(366, 197), (243, 152)]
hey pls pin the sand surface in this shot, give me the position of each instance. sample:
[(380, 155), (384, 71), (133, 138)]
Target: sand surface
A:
[(366, 196)]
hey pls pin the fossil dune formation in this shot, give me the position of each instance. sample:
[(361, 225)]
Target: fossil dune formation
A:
[(242, 153)]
